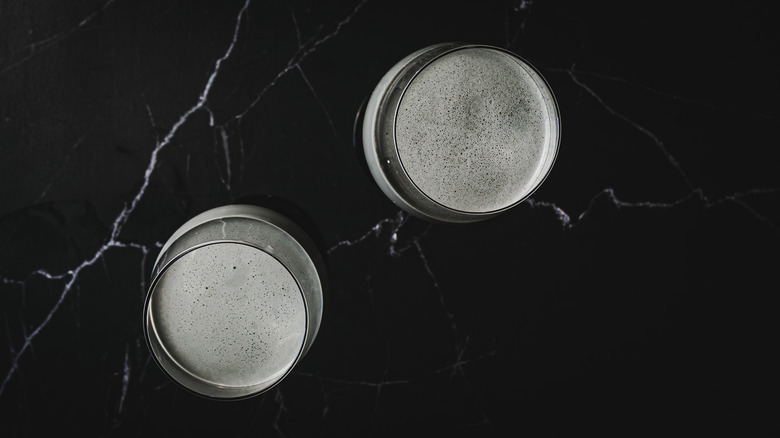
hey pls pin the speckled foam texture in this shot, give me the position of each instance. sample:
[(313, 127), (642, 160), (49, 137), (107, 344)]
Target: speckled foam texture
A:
[(230, 314), (471, 130)]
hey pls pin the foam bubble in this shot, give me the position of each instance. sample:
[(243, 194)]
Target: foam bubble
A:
[(472, 130)]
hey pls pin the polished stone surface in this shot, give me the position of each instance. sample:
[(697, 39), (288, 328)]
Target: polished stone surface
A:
[(633, 295)]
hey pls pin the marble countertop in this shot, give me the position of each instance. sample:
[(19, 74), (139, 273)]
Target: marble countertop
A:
[(631, 296)]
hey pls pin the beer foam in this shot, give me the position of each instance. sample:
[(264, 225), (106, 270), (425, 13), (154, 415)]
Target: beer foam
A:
[(230, 314), (472, 130)]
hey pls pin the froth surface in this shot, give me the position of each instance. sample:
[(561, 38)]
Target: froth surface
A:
[(471, 130), (230, 314)]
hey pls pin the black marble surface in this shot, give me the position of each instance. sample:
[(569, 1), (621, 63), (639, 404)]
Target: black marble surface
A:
[(634, 295)]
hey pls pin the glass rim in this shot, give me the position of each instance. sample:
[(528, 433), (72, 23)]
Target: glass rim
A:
[(555, 147), (148, 319)]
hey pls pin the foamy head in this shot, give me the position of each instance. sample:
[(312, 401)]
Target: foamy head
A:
[(230, 314), (474, 130)]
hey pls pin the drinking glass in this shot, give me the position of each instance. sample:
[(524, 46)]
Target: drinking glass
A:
[(235, 301), (460, 132)]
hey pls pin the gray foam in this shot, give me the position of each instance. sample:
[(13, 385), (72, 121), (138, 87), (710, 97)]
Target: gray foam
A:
[(230, 314), (472, 129)]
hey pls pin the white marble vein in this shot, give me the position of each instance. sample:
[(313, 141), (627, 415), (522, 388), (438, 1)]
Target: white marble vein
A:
[(118, 224), (144, 253), (522, 8), (354, 382), (125, 379), (42, 45), (226, 150), (458, 343), (396, 222), (223, 143), (455, 366), (282, 408), (672, 160), (303, 51), (64, 164), (736, 198), (657, 92), (609, 194), (319, 101)]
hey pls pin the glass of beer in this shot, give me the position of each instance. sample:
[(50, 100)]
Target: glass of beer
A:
[(460, 132), (235, 301)]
